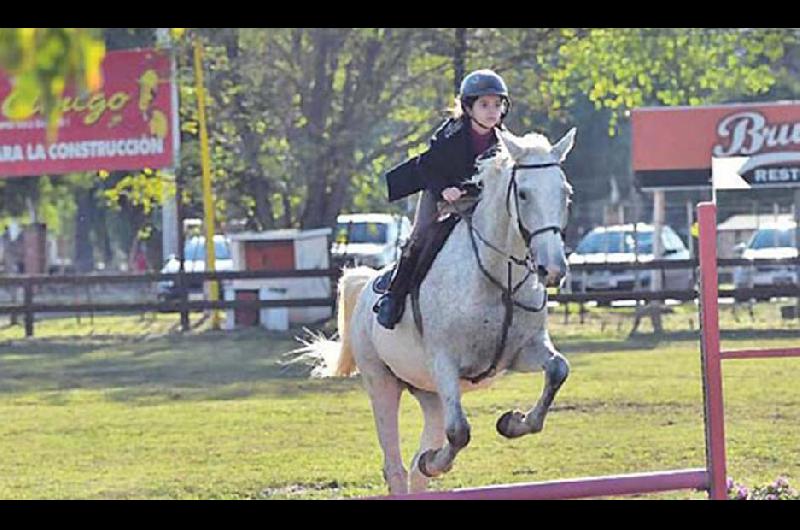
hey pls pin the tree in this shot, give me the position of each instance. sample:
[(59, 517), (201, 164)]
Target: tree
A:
[(302, 120)]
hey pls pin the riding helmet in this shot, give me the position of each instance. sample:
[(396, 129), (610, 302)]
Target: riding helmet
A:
[(482, 83)]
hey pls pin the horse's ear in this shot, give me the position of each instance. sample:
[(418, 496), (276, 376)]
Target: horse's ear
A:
[(511, 145), (564, 146)]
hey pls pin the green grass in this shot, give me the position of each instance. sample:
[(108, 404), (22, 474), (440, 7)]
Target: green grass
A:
[(125, 408)]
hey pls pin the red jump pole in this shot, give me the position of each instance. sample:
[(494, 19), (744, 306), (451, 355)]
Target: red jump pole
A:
[(710, 350), (573, 489), (761, 354)]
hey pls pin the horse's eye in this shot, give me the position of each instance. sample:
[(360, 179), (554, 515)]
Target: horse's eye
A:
[(523, 196)]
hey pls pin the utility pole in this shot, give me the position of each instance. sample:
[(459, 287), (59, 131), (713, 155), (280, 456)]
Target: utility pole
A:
[(170, 223), (208, 196), (659, 213)]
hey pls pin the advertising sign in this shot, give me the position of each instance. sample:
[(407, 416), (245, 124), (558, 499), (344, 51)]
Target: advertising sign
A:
[(126, 125), (673, 147)]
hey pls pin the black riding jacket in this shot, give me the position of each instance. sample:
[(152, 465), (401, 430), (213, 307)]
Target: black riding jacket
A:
[(449, 161)]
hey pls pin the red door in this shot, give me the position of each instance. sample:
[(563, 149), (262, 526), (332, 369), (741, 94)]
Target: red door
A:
[(246, 316), (269, 255)]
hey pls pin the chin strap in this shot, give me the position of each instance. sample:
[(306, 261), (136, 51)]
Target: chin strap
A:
[(482, 126)]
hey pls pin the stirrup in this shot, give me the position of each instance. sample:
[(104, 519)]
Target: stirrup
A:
[(376, 307), (382, 282)]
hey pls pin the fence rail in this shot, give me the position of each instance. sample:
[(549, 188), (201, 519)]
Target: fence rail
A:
[(668, 264), (183, 305)]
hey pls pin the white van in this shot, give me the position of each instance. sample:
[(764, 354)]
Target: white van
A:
[(371, 239)]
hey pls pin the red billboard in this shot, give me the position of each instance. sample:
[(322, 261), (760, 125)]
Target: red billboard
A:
[(672, 147), (126, 124)]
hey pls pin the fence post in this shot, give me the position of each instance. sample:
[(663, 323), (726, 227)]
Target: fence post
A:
[(182, 299), (27, 302)]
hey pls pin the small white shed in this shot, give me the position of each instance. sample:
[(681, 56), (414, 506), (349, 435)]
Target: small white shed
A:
[(286, 249)]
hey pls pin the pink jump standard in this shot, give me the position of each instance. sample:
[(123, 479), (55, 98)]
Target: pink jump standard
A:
[(709, 348), (712, 352)]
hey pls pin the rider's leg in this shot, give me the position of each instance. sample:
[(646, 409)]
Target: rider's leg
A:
[(426, 214), (390, 306)]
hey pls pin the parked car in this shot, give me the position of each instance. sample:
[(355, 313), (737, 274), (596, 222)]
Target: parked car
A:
[(194, 253), (771, 241), (615, 244), (371, 239)]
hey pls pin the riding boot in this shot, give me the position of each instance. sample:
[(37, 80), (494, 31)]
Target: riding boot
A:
[(391, 305), (387, 309)]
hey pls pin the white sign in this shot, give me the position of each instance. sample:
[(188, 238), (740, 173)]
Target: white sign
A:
[(726, 173)]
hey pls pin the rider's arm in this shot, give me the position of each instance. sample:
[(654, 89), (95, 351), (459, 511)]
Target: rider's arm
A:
[(436, 165)]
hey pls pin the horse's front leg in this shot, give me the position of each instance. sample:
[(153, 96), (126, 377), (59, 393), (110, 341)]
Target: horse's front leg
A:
[(539, 355), (434, 462)]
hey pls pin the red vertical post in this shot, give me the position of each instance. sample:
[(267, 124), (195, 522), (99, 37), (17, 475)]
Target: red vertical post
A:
[(710, 350)]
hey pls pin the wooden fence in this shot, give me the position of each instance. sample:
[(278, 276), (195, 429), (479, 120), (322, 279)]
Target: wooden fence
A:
[(29, 283)]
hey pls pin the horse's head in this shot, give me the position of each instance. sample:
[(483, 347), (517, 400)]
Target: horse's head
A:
[(537, 199)]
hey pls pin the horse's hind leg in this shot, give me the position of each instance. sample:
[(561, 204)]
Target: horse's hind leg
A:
[(434, 462), (384, 391), (433, 436), (541, 355)]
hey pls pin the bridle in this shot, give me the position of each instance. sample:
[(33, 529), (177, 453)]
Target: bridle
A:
[(527, 235), (508, 291), (512, 187)]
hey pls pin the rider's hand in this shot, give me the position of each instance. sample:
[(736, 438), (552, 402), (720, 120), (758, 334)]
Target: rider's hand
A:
[(452, 194)]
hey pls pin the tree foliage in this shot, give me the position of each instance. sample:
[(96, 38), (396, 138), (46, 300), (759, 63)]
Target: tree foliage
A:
[(43, 62), (623, 68)]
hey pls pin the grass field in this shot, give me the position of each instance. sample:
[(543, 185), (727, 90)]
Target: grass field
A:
[(126, 408)]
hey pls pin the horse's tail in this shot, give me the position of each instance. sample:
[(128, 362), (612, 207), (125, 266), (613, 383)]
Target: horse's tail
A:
[(351, 284), (335, 358)]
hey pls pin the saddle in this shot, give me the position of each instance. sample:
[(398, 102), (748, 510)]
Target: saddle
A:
[(424, 249)]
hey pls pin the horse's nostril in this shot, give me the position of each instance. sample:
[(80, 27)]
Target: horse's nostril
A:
[(541, 270)]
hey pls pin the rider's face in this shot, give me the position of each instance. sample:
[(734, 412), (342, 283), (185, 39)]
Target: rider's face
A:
[(488, 110)]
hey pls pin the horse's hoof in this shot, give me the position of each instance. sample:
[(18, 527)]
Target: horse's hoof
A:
[(421, 464), (512, 424), (423, 467)]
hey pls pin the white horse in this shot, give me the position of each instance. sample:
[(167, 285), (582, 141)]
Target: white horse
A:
[(483, 308)]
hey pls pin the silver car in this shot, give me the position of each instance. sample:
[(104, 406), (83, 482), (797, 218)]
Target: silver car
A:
[(769, 242), (616, 244)]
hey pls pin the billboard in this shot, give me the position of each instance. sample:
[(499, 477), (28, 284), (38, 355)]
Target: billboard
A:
[(672, 147), (126, 125)]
